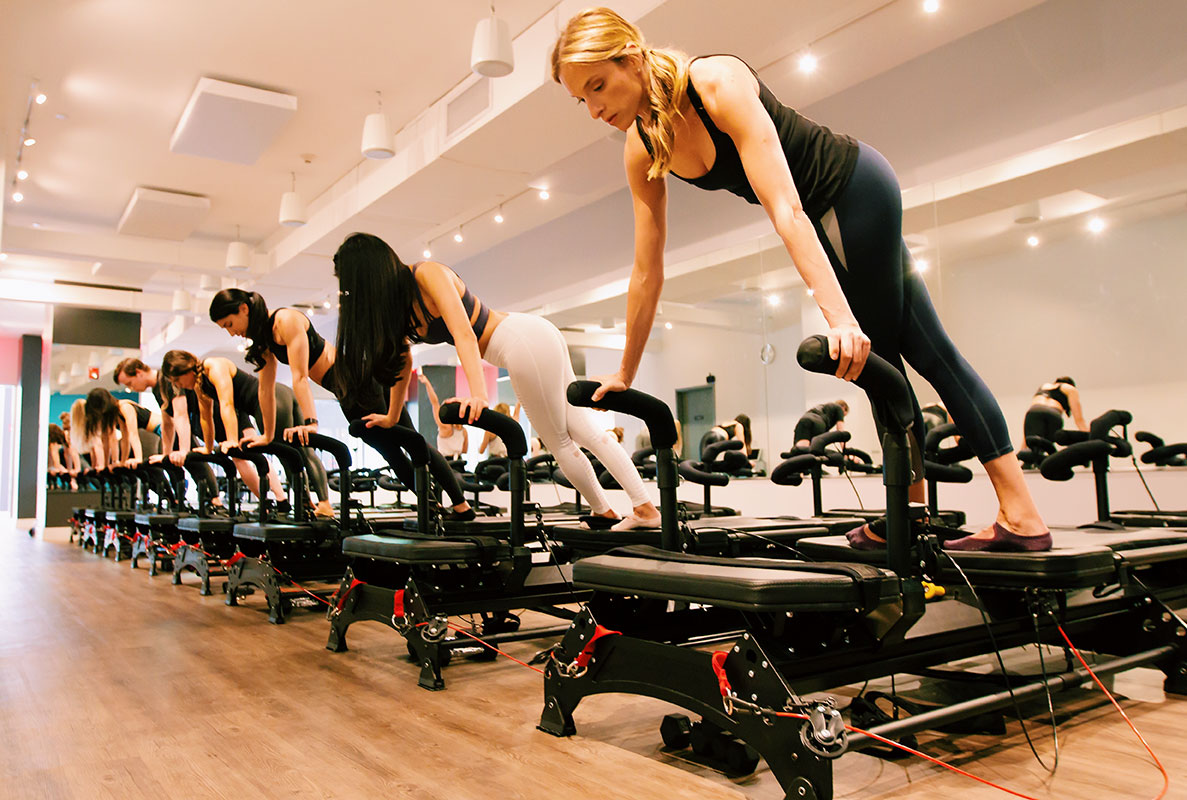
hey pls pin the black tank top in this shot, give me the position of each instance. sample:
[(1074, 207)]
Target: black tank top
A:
[(191, 405), (1058, 396), (245, 392), (317, 345), (821, 162)]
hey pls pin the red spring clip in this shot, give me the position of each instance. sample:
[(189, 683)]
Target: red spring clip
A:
[(583, 658), (397, 603), (342, 598), (718, 662)]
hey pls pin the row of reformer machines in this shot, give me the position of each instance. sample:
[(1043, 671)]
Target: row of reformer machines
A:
[(743, 622)]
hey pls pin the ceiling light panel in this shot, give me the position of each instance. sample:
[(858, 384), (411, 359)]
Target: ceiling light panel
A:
[(163, 215), (231, 122)]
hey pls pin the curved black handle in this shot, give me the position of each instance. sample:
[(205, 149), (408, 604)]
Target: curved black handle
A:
[(654, 412), (535, 461), (219, 460), (712, 451), (339, 450), (288, 455), (1149, 438), (946, 473), (1058, 466), (1099, 428), (932, 451), (819, 443), (407, 439), (490, 420), (882, 382), (691, 470), (791, 472), (643, 457)]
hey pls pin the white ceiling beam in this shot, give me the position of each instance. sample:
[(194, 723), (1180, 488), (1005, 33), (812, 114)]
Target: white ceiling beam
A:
[(28, 291), (154, 253)]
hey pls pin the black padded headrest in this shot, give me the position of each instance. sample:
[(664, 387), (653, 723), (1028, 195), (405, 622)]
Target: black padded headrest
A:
[(407, 439), (490, 420), (1058, 466), (819, 443), (791, 472), (885, 385), (654, 413), (694, 471)]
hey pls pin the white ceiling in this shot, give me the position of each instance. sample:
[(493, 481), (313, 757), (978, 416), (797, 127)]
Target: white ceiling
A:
[(942, 96)]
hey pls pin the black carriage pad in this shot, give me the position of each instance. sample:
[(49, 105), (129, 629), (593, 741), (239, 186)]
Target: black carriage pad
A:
[(725, 535), (278, 532), (206, 524), (153, 520), (1073, 566), (427, 550), (1135, 547), (486, 526), (747, 584)]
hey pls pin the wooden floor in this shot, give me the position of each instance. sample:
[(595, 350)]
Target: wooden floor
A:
[(115, 685)]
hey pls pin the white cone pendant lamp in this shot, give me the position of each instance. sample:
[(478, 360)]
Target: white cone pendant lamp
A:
[(377, 134), (292, 210), (492, 55)]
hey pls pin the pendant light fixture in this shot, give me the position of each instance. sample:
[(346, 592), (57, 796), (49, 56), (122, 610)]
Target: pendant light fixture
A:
[(377, 135), (292, 210), (492, 55), (238, 254)]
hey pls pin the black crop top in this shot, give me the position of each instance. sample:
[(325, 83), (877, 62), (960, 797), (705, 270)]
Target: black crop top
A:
[(1058, 396), (245, 391), (436, 331), (143, 415), (831, 413), (317, 345), (821, 162)]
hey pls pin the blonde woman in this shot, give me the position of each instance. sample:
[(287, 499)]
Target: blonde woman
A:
[(835, 203)]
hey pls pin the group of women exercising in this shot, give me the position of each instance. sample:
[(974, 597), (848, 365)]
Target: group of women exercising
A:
[(708, 121)]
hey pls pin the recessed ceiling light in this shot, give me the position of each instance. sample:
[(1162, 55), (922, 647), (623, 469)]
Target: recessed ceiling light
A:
[(811, 292), (544, 195), (931, 6), (41, 98), (22, 174), (427, 253), (1032, 240), (17, 197), (921, 265), (808, 63), (36, 224), (499, 217), (30, 141), (457, 237), (1096, 225), (773, 300), (668, 326)]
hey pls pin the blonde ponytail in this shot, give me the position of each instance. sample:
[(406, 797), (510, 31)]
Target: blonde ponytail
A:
[(600, 34)]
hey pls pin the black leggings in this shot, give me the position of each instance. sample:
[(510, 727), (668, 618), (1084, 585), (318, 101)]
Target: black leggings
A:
[(892, 306), (288, 411), (384, 443), (1042, 421), (809, 426)]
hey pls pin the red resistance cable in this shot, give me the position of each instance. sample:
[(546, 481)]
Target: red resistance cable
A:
[(718, 664)]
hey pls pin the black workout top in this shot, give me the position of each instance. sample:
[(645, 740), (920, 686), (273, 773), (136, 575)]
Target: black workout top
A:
[(317, 345), (820, 161), (1058, 396), (831, 413), (143, 415), (436, 331), (191, 405), (245, 391)]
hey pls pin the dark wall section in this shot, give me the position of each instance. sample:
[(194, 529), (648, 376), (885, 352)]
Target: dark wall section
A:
[(28, 476), (93, 326)]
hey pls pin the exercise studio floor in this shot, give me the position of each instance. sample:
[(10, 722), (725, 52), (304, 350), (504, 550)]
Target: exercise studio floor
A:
[(114, 685)]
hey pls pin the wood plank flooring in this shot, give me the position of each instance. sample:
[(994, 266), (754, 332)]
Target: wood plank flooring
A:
[(115, 685)]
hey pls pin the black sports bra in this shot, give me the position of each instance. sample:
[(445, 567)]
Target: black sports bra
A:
[(317, 345), (436, 331), (1058, 396)]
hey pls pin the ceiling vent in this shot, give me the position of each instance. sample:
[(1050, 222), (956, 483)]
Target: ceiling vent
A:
[(163, 215), (230, 121), (466, 106)]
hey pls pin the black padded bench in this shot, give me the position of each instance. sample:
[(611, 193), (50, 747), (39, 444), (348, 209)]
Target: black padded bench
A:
[(427, 549), (748, 584), (707, 538)]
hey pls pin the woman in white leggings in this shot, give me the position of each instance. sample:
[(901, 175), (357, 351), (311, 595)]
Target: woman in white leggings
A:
[(385, 304)]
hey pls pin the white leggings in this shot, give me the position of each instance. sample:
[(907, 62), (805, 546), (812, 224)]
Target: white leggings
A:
[(534, 354)]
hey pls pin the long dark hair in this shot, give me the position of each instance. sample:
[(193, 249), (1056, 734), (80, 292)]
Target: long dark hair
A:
[(744, 421), (56, 436), (102, 412), (177, 363), (375, 291), (259, 325)]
